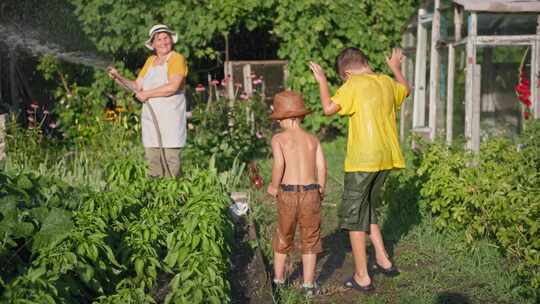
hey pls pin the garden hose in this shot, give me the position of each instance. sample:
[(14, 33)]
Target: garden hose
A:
[(156, 125)]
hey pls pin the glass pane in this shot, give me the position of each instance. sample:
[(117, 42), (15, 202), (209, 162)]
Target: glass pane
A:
[(458, 120), (273, 78), (500, 112), (443, 90), (507, 24), (447, 24)]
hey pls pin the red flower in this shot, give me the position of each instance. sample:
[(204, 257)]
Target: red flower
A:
[(200, 88), (523, 91)]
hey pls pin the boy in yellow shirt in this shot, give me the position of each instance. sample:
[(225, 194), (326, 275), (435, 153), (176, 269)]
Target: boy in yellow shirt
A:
[(370, 101)]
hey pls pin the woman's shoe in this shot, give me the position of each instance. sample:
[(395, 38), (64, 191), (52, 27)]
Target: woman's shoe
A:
[(351, 283), (391, 271)]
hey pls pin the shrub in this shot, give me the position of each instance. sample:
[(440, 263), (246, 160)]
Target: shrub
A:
[(493, 194)]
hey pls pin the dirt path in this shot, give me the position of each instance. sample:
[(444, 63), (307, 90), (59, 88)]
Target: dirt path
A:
[(436, 268)]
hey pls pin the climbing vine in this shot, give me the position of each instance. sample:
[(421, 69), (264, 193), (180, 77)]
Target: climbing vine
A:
[(306, 30)]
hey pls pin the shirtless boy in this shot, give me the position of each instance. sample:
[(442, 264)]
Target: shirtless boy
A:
[(298, 181)]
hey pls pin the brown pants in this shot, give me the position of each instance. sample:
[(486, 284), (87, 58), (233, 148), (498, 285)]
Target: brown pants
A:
[(304, 208), (156, 165)]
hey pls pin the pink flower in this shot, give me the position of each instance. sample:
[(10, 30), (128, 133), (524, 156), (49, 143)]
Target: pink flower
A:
[(259, 135), (224, 81), (200, 88), (244, 96), (30, 119), (257, 81), (34, 105), (53, 125), (45, 112), (238, 85), (214, 82)]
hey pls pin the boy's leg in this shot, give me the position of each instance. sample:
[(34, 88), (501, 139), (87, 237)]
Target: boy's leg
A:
[(309, 263), (381, 256), (356, 216), (279, 266), (310, 232), (358, 244), (284, 235), (375, 235)]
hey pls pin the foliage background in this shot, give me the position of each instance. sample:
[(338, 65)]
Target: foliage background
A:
[(304, 30)]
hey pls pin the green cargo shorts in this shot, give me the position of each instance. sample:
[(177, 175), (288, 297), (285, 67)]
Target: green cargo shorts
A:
[(361, 196)]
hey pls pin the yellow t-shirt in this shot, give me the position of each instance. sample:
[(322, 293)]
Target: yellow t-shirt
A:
[(371, 102), (176, 65)]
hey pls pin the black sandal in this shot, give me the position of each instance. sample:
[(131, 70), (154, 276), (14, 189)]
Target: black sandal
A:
[(391, 271), (351, 283)]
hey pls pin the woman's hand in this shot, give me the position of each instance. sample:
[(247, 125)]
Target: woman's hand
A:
[(142, 96), (113, 73)]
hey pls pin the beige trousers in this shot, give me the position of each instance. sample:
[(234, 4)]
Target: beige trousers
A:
[(156, 165)]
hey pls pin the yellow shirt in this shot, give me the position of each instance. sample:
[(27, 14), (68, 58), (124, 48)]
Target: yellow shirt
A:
[(176, 65), (371, 102)]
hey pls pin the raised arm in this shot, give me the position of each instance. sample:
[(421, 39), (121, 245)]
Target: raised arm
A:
[(278, 167), (133, 85), (321, 168), (394, 63), (329, 107)]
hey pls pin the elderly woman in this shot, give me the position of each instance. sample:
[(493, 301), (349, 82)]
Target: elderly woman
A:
[(160, 83)]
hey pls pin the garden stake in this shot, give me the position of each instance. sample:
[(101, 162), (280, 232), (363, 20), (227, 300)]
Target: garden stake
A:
[(156, 125)]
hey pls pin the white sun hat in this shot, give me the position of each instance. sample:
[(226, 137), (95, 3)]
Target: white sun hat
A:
[(159, 28)]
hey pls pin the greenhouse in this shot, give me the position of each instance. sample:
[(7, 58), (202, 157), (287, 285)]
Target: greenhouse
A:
[(474, 66)]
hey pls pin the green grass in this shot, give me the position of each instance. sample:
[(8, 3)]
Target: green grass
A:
[(437, 267)]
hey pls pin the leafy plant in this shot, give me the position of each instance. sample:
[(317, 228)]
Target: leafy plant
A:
[(493, 194)]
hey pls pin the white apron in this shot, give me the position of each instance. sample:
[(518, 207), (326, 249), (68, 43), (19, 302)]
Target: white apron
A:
[(170, 112)]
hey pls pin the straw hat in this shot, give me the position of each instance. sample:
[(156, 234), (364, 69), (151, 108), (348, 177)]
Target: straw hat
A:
[(159, 28), (288, 104)]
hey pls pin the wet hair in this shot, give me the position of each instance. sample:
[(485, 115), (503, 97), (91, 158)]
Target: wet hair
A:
[(350, 57)]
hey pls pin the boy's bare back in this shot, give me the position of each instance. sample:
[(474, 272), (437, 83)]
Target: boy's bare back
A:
[(298, 158)]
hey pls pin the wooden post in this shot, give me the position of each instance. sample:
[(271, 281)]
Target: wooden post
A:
[(477, 96), (458, 22), (469, 81), (434, 70), (229, 76), (535, 72), (248, 88), (419, 102), (405, 44), (2, 136), (210, 89), (450, 93)]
